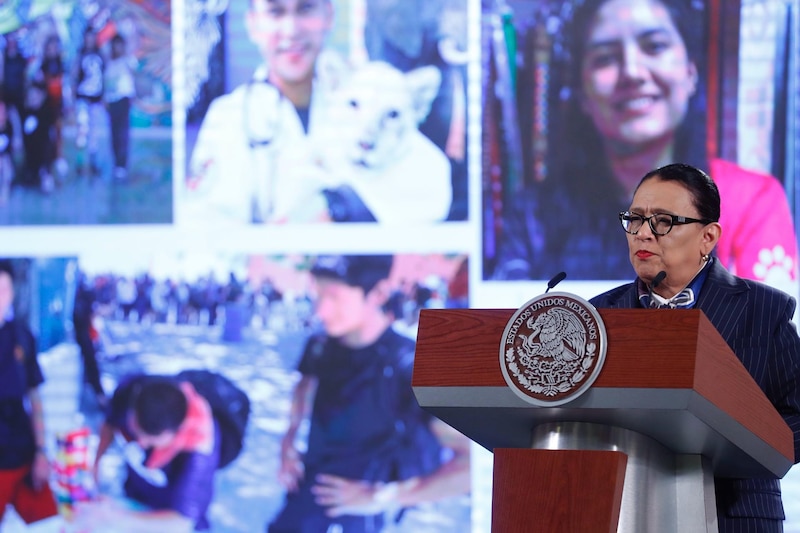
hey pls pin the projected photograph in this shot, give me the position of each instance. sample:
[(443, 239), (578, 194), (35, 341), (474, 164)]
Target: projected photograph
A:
[(86, 115), (303, 364), (581, 99), (358, 114), (231, 214)]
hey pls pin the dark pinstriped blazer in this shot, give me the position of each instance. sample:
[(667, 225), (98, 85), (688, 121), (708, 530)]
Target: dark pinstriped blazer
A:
[(756, 322)]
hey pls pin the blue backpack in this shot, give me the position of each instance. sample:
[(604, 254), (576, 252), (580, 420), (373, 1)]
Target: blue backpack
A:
[(230, 406)]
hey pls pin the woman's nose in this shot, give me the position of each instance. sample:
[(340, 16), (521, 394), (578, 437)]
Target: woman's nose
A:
[(633, 62), (645, 232)]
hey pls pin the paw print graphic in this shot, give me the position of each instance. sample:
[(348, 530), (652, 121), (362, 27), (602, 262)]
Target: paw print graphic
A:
[(774, 266)]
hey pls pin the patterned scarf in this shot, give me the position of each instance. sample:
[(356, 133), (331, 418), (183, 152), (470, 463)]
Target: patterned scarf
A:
[(683, 300)]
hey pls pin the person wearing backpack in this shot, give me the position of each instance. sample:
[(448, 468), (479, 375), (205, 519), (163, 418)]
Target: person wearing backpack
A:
[(24, 468), (371, 451), (186, 427)]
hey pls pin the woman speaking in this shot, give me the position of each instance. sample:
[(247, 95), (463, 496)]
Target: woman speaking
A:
[(672, 225)]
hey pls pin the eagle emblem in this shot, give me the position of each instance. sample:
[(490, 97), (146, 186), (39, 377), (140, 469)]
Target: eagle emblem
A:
[(560, 334), (553, 348)]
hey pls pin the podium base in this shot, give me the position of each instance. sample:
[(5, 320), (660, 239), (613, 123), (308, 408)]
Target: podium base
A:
[(549, 491), (662, 491)]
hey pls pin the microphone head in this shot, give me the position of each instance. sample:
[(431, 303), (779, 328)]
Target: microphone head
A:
[(558, 278), (555, 280), (658, 279)]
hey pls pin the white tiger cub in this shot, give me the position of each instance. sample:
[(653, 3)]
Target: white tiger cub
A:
[(369, 140)]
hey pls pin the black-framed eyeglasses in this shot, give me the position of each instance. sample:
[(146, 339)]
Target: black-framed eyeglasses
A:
[(660, 223)]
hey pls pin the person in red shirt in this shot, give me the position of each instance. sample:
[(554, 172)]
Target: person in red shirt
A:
[(24, 467)]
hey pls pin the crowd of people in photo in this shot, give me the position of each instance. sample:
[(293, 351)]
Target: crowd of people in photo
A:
[(50, 90), (31, 114), (145, 299), (203, 301)]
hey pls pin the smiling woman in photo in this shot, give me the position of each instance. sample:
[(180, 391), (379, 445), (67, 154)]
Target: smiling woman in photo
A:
[(633, 100)]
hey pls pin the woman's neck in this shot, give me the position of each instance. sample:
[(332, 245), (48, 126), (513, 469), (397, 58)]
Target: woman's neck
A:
[(629, 164), (670, 291)]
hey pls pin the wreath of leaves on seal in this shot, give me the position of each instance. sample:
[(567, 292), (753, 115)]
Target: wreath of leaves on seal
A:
[(564, 386)]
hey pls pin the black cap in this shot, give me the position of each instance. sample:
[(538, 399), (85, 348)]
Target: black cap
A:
[(363, 271)]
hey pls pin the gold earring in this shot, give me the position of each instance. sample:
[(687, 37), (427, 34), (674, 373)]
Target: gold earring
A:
[(705, 258)]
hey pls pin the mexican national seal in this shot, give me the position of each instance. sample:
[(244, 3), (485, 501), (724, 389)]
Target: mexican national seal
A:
[(553, 348)]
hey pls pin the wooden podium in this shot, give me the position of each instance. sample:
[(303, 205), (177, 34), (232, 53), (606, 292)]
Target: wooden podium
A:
[(670, 384)]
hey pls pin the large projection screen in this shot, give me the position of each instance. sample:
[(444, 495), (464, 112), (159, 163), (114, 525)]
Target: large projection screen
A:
[(147, 154)]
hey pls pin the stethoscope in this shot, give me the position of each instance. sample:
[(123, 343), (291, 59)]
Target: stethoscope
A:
[(271, 125), (262, 130)]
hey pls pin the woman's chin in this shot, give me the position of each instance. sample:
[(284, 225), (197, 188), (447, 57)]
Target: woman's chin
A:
[(636, 139), (645, 271)]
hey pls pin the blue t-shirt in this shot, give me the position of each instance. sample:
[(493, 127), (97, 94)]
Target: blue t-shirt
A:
[(19, 373), (366, 423)]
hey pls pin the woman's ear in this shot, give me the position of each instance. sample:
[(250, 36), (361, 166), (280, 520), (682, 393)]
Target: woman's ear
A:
[(710, 237)]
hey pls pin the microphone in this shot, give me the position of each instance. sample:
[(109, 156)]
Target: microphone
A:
[(558, 278), (656, 282)]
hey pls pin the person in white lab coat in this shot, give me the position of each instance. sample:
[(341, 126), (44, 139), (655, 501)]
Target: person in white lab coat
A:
[(254, 141)]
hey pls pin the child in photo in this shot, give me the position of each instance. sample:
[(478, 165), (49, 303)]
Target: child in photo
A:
[(119, 91)]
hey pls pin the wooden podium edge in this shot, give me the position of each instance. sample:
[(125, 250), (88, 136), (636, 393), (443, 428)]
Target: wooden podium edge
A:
[(459, 348), (719, 372)]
